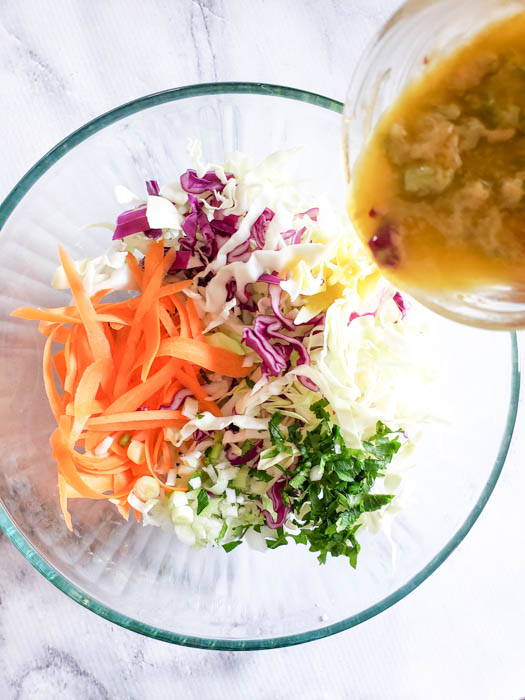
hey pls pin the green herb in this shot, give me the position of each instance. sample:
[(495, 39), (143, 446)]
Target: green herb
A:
[(246, 447), (334, 503), (240, 530), (249, 382), (204, 376), (260, 474), (202, 501), (222, 532), (124, 439), (277, 437), (231, 545)]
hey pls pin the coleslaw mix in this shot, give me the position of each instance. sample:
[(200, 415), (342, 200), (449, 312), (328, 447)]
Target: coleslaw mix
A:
[(310, 444)]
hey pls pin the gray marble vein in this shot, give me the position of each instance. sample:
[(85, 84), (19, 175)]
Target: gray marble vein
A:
[(459, 635)]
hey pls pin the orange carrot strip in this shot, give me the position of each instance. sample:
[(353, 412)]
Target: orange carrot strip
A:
[(62, 332), (151, 461), (148, 295), (130, 425), (67, 469), (98, 296), (167, 321), (193, 317), (54, 399), (124, 510), (86, 392), (135, 397), (173, 288), (167, 456), (152, 260), (71, 363), (122, 481), (152, 339), (62, 492), (207, 356), (189, 380), (59, 362), (168, 304), (108, 463), (92, 440), (137, 273), (32, 314), (136, 417), (185, 330), (95, 335), (170, 391), (100, 482)]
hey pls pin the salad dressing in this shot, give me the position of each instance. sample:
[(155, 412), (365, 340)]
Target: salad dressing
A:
[(438, 193)]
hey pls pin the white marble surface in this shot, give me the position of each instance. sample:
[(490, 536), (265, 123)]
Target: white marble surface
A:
[(460, 635)]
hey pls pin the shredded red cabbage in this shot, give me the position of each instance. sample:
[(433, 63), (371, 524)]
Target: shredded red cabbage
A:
[(134, 221), (179, 398), (355, 315), (200, 435), (275, 492), (241, 253), (209, 182), (401, 304), (271, 279), (259, 226), (313, 213), (273, 361), (383, 247), (236, 460), (225, 224), (152, 186)]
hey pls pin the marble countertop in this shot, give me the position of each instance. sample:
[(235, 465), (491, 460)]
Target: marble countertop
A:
[(460, 634)]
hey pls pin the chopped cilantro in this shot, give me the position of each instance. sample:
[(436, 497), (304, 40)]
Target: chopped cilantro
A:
[(334, 503), (204, 376), (202, 501), (222, 532), (231, 545)]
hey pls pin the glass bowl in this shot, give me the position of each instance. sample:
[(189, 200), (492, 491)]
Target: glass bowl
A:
[(143, 578), (418, 32)]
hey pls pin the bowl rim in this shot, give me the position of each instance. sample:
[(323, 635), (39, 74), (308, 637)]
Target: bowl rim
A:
[(75, 593)]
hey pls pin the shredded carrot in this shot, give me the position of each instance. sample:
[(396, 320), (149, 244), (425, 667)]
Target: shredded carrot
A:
[(135, 397), (193, 317), (173, 288), (59, 363), (137, 417), (137, 273), (207, 356), (85, 394), (167, 321), (185, 330), (189, 380), (52, 394), (152, 339), (96, 338), (118, 358)]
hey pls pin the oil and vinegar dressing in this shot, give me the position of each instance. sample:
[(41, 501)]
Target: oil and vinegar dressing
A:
[(438, 193)]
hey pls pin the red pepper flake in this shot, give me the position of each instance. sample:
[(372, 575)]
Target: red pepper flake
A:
[(425, 60), (372, 213)]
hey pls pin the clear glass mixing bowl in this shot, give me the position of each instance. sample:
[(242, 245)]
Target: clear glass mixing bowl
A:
[(419, 31), (143, 578)]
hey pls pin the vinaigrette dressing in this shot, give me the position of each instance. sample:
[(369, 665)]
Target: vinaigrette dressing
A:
[(439, 192)]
